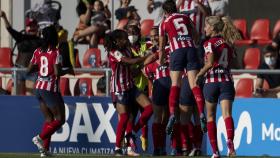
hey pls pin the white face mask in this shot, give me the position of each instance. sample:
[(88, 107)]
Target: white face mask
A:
[(270, 61), (132, 38)]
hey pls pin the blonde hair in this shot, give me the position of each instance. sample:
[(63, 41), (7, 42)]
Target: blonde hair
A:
[(224, 27)]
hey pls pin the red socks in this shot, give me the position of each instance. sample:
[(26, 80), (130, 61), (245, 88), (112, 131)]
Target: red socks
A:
[(48, 140), (212, 134), (185, 137), (47, 143), (176, 139), (144, 130), (230, 127), (121, 129), (145, 116), (129, 126), (199, 99), (49, 129), (198, 135), (173, 98)]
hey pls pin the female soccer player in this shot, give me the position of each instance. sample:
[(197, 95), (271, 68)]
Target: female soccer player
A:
[(191, 134), (122, 86), (218, 83), (47, 61), (159, 75), (181, 32)]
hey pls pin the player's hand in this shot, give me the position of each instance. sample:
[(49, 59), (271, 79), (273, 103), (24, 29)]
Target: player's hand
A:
[(150, 2), (72, 72), (199, 80), (106, 2)]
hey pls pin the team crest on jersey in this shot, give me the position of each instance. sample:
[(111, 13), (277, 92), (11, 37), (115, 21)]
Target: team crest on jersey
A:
[(118, 55)]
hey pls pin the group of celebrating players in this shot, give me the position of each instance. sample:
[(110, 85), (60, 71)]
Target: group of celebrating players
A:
[(181, 87), (177, 81)]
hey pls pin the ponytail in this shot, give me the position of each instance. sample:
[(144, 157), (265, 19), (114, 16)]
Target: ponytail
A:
[(230, 32), (225, 27)]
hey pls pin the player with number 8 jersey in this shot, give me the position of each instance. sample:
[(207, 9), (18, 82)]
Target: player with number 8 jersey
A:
[(45, 61)]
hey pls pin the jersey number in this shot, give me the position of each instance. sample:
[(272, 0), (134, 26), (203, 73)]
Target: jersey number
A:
[(181, 28), (223, 61), (44, 66)]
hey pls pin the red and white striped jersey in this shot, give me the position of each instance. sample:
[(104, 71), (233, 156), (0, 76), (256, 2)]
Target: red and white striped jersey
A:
[(223, 54), (47, 80), (121, 79), (154, 71), (178, 27), (189, 7)]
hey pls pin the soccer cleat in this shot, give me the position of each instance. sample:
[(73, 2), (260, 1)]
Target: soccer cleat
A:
[(170, 124), (195, 152), (173, 152), (131, 140), (216, 155), (132, 152), (46, 154), (231, 150), (144, 143), (185, 152), (203, 123), (39, 143), (118, 152)]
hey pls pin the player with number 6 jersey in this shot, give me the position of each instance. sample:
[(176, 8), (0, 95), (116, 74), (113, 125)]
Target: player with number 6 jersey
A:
[(219, 85), (181, 32)]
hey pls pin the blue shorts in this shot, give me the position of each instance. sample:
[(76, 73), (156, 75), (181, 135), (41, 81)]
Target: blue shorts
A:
[(217, 91), (161, 89), (186, 95), (127, 97), (50, 98), (184, 58)]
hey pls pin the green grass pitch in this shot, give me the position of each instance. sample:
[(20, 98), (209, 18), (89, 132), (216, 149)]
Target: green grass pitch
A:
[(35, 155)]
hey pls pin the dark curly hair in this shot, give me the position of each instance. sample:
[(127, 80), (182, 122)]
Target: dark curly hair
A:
[(111, 39), (50, 38), (169, 6)]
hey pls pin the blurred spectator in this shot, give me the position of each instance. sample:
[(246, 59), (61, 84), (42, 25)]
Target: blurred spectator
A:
[(155, 6), (94, 21), (127, 12), (271, 62), (101, 87), (219, 7), (46, 13), (26, 42)]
